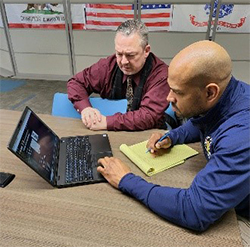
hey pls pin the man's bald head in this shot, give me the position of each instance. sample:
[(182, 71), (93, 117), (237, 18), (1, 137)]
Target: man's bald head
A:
[(198, 75), (201, 63)]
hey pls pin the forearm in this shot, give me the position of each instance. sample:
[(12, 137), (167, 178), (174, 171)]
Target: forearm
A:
[(186, 133), (136, 120), (77, 92), (215, 190), (86, 82), (146, 117), (173, 204)]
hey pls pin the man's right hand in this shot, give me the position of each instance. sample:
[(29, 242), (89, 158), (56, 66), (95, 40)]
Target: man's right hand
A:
[(153, 145), (90, 116)]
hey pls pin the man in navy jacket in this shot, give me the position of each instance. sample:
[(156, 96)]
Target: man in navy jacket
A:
[(217, 105)]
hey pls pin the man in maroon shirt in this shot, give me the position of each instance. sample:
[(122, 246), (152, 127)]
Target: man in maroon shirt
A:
[(108, 77)]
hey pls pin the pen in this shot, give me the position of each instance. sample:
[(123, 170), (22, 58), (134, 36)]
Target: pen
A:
[(161, 139)]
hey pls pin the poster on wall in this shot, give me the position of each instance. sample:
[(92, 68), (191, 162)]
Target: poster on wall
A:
[(194, 18), (45, 15)]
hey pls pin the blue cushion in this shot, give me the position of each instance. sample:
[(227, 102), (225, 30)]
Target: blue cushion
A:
[(62, 106), (169, 111)]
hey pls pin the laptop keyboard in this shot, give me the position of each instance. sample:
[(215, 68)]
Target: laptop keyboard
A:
[(79, 159)]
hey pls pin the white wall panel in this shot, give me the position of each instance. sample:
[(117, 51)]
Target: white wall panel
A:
[(237, 45), (163, 44), (94, 43), (5, 62), (3, 42), (42, 64), (83, 62), (167, 45), (39, 41), (91, 44), (241, 70)]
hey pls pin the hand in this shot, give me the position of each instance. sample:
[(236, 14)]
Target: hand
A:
[(155, 146), (90, 116), (113, 169), (99, 125)]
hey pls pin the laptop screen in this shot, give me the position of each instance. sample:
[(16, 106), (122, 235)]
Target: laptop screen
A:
[(36, 145)]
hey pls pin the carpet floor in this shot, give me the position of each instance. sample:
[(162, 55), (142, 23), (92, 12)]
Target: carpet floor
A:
[(37, 94)]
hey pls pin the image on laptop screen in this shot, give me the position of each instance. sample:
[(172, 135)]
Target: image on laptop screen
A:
[(37, 146)]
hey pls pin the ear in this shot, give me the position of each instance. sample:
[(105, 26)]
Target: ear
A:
[(212, 92), (147, 50)]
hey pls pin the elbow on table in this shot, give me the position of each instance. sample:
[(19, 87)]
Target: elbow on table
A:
[(198, 227), (199, 222), (192, 222)]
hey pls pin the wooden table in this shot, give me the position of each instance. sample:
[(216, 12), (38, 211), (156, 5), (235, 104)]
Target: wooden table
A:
[(33, 213)]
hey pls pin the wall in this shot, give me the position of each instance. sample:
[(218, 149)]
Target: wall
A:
[(238, 47), (5, 61), (45, 54)]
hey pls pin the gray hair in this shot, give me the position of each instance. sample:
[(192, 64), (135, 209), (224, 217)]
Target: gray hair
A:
[(134, 26)]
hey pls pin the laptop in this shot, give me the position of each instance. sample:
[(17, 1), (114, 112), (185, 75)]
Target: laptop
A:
[(62, 162)]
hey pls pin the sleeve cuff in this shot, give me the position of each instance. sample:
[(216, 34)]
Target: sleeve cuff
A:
[(136, 187), (80, 105), (110, 125), (124, 180)]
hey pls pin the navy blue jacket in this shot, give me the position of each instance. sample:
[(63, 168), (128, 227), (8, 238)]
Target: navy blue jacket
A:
[(224, 183)]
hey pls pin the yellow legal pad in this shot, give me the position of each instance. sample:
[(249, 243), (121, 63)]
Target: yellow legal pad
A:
[(166, 159)]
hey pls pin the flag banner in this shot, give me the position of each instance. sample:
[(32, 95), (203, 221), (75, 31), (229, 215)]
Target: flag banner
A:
[(107, 16), (157, 17), (35, 16), (194, 18)]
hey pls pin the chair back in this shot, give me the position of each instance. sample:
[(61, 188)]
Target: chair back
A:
[(62, 107)]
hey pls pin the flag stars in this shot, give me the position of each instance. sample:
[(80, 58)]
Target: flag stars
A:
[(155, 6)]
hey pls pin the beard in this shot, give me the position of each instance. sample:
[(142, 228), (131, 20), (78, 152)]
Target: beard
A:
[(193, 112), (176, 110)]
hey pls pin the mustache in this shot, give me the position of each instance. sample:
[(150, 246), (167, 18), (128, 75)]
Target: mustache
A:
[(177, 111)]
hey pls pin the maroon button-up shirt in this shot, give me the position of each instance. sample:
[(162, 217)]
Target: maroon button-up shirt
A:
[(97, 79)]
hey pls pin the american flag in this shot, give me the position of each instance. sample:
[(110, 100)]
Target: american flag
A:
[(110, 16), (157, 17)]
